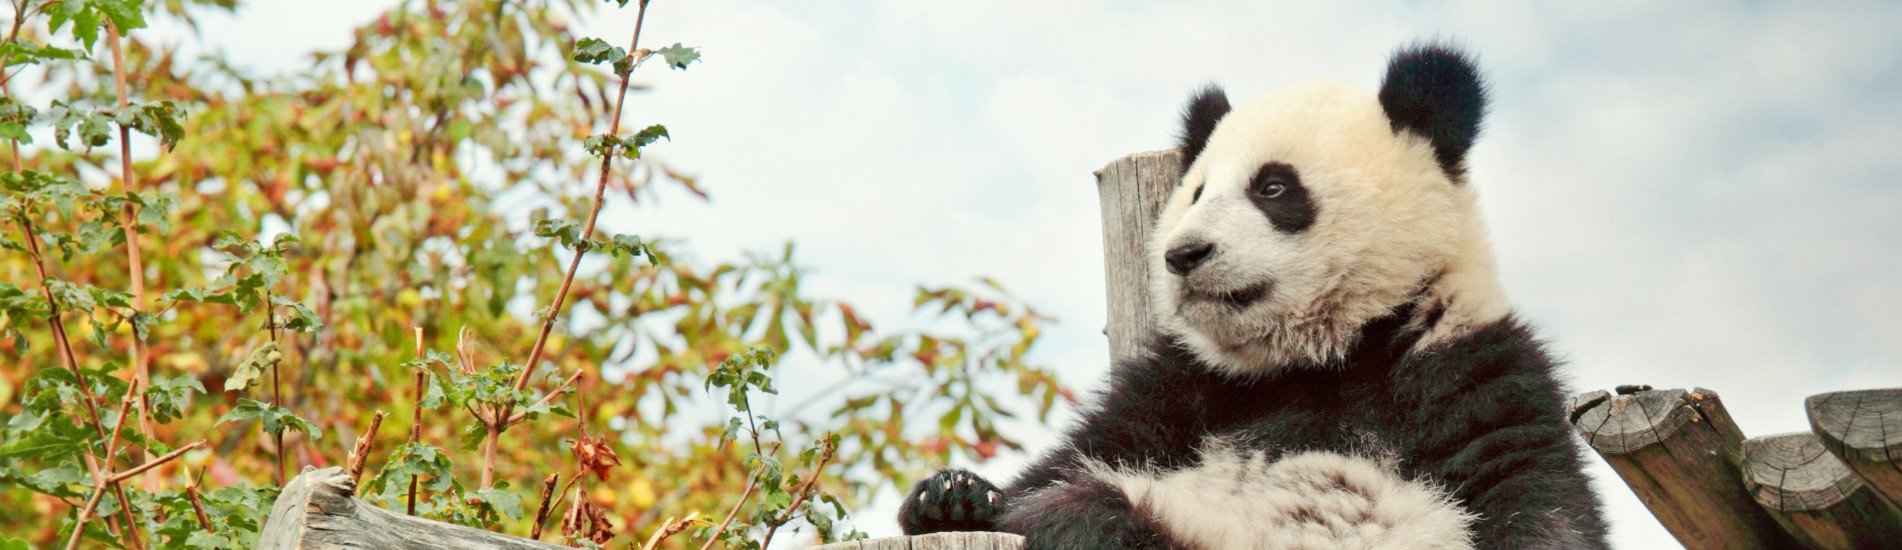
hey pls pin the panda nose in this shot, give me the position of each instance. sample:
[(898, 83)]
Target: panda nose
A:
[(1186, 258)]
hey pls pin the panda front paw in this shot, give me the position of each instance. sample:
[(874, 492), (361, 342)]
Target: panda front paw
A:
[(951, 500)]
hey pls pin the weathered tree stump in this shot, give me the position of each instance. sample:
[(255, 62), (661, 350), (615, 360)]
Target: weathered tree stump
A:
[(1864, 430), (1814, 495), (1131, 190), (935, 541), (1681, 453), (318, 510)]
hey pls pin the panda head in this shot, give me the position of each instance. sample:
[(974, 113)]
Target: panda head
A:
[(1317, 208)]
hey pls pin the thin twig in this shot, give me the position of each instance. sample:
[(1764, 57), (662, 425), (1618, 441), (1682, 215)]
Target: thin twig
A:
[(751, 482), (587, 233), (277, 395), (135, 267), (58, 325), (416, 415), (499, 419), (130, 530), (360, 454), (805, 490), (85, 513), (156, 462), (541, 514), (56, 322), (198, 505), (546, 399), (673, 526)]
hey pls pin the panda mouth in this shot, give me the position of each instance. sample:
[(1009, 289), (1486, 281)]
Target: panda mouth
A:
[(1237, 298)]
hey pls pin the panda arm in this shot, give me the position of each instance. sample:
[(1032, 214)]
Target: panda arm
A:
[(1525, 485), (1152, 414), (1500, 443)]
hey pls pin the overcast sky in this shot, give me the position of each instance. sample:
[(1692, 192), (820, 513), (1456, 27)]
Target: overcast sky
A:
[(1679, 196)]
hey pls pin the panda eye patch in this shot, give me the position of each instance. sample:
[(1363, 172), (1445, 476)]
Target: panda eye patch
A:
[(1277, 191)]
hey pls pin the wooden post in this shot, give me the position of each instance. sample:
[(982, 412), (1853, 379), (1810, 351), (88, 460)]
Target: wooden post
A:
[(1681, 453), (1864, 430), (1131, 190), (1815, 496), (318, 510), (935, 541)]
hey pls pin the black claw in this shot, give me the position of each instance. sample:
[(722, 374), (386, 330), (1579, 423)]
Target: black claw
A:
[(951, 500)]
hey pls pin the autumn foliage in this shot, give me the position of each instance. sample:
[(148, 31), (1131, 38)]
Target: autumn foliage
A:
[(390, 261)]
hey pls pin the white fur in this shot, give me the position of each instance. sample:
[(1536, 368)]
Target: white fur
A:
[(1238, 500), (1391, 223)]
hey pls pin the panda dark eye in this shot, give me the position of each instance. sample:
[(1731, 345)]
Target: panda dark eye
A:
[(1269, 188)]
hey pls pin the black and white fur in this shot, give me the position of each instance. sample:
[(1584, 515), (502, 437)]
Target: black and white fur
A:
[(1336, 365)]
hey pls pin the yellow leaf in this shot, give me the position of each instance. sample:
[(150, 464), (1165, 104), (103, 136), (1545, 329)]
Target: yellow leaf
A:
[(641, 493), (409, 298)]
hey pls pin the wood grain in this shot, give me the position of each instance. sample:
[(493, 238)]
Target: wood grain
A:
[(1815, 496), (1681, 453), (936, 541), (1131, 191), (318, 511), (1864, 430)]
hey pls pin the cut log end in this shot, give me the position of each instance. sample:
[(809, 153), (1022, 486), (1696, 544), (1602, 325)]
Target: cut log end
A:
[(1815, 496), (1623, 424), (1864, 430), (1794, 473)]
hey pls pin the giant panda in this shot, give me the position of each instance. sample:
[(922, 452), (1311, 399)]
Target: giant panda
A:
[(1335, 364)]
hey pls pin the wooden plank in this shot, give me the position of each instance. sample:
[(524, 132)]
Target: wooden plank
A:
[(318, 510), (935, 541), (1815, 496), (1131, 191), (1680, 452), (1864, 430)]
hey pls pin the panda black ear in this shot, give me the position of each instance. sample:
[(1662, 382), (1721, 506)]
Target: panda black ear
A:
[(1206, 108), (1435, 91)]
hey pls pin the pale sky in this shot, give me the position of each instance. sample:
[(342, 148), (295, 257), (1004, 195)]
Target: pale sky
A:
[(1678, 195)]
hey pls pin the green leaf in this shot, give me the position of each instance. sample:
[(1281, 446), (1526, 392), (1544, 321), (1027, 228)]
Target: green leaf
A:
[(302, 318), (503, 500), (649, 135), (598, 51), (94, 127), (264, 357), (679, 56), (275, 419), (124, 14)]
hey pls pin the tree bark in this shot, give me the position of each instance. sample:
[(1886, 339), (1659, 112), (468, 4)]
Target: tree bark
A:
[(318, 511), (1131, 190)]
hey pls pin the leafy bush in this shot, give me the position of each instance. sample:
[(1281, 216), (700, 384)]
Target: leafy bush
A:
[(298, 255)]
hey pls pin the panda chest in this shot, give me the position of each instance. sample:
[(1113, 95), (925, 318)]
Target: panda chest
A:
[(1308, 415)]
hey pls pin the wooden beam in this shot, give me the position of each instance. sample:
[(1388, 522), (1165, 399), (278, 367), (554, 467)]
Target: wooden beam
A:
[(1131, 190), (1681, 453), (1864, 430), (318, 510), (935, 541), (1814, 495)]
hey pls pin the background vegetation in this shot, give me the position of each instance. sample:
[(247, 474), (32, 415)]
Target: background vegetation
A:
[(211, 279)]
